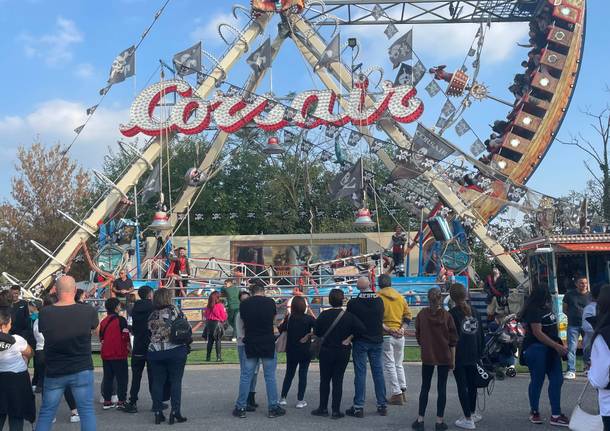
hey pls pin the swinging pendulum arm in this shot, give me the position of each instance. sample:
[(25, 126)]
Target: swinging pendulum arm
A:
[(187, 197), (148, 157), (312, 49)]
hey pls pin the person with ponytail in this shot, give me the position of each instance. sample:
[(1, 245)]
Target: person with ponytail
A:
[(600, 355), (436, 334), (467, 354)]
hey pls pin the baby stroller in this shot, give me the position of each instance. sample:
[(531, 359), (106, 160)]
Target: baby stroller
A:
[(501, 344)]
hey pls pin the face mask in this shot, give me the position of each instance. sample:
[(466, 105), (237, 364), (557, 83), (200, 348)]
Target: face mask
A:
[(34, 316)]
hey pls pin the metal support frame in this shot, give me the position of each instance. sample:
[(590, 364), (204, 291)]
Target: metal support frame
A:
[(312, 46), (148, 157), (186, 199), (365, 12)]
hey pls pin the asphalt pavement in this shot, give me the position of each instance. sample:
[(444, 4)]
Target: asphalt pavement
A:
[(209, 393)]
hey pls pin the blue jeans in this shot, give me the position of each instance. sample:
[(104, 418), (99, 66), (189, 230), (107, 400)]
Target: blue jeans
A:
[(247, 374), (81, 385), (573, 334), (542, 360), (241, 352), (374, 352)]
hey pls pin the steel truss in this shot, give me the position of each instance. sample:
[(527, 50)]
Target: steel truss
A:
[(383, 12)]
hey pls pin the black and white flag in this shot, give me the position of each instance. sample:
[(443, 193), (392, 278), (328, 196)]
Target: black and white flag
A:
[(331, 53), (419, 70), (433, 88), (448, 108), (123, 66), (401, 50), (152, 186), (260, 59), (188, 61), (462, 127), (91, 110), (390, 31), (441, 123), (348, 185), (79, 129), (354, 138), (427, 147), (472, 52), (477, 148), (404, 75), (105, 90), (377, 12)]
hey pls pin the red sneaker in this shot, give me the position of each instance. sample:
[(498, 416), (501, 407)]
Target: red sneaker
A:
[(559, 421), (535, 418)]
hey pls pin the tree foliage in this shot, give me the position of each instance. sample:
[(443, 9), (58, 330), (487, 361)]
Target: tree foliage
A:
[(46, 180)]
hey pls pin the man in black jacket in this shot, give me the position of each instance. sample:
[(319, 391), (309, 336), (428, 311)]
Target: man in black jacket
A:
[(20, 317), (368, 307), (141, 339)]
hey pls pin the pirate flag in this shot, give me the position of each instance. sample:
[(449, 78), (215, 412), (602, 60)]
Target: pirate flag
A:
[(401, 50), (123, 66), (188, 61), (260, 59), (427, 146), (330, 54), (348, 185)]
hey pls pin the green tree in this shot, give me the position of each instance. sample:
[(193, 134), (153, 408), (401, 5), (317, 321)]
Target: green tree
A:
[(46, 180)]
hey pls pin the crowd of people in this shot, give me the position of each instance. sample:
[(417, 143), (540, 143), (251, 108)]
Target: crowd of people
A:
[(370, 329)]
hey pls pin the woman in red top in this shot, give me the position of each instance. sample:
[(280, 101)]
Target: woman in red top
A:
[(215, 317)]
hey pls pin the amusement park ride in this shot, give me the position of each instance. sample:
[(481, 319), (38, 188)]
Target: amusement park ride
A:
[(526, 134)]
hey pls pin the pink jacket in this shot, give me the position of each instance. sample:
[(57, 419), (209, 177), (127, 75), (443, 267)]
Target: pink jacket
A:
[(218, 312)]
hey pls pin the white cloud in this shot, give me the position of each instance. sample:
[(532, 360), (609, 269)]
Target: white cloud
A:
[(442, 42), (53, 122), (55, 47), (84, 70), (208, 31)]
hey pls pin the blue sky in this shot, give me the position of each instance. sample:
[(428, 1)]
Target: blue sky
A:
[(57, 55)]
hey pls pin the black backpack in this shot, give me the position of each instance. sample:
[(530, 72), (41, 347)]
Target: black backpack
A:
[(180, 331)]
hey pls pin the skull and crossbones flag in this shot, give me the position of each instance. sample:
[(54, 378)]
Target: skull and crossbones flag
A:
[(462, 127), (331, 53), (427, 145), (401, 50), (123, 66), (188, 61), (404, 75), (433, 88), (260, 59), (348, 185), (477, 148)]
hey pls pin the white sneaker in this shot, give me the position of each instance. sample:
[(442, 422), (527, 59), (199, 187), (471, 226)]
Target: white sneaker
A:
[(74, 418), (114, 399), (234, 339), (467, 424), (282, 402), (301, 404), (569, 375), (476, 417)]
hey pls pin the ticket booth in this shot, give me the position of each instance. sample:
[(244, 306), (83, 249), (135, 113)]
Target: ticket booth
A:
[(555, 261)]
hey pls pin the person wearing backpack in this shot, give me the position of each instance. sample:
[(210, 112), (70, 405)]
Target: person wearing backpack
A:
[(600, 356), (467, 353), (167, 352), (114, 336)]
